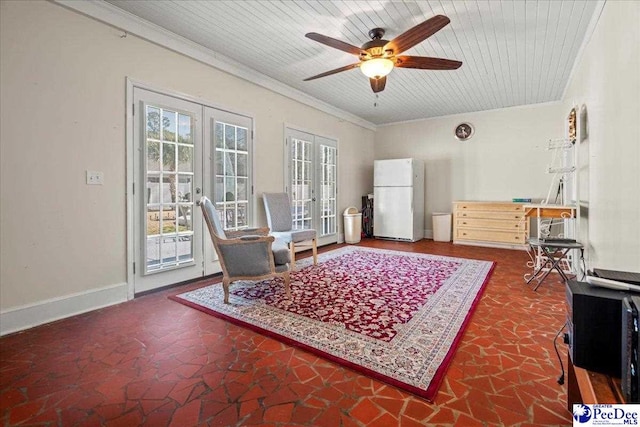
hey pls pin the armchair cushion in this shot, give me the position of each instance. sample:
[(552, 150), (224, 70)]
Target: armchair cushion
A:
[(280, 252), (295, 235)]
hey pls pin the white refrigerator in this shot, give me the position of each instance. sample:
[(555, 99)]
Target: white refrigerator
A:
[(398, 199)]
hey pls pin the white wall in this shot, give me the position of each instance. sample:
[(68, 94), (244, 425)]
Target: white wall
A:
[(606, 85), (63, 112), (507, 157)]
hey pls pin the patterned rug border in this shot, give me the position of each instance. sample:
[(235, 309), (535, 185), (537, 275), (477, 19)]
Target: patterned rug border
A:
[(435, 383)]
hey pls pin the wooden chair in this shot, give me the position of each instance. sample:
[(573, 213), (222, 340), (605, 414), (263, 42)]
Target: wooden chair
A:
[(278, 209), (249, 254)]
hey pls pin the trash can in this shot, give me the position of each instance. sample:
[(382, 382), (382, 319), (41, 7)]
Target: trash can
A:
[(352, 225), (441, 226)]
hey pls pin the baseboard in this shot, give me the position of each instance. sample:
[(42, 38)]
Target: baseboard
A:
[(27, 316), (428, 234)]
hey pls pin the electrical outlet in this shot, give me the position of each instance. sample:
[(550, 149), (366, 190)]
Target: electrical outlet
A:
[(95, 178)]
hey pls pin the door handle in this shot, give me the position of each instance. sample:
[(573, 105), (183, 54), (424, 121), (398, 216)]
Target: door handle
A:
[(198, 190)]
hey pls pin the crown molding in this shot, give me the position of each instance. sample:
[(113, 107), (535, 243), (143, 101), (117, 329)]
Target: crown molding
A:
[(131, 24)]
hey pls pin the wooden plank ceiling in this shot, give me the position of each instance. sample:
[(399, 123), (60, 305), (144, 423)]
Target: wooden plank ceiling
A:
[(513, 52)]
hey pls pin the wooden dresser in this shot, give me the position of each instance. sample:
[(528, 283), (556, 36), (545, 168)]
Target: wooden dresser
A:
[(494, 224)]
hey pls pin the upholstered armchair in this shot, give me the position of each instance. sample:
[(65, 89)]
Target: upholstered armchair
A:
[(249, 254), (278, 210)]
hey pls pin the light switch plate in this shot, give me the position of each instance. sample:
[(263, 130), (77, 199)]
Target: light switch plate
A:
[(95, 178)]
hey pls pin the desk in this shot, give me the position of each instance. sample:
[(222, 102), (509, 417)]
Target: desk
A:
[(590, 387)]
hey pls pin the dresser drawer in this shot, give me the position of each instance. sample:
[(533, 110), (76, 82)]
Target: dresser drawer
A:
[(517, 216), (493, 207), (491, 235), (494, 224)]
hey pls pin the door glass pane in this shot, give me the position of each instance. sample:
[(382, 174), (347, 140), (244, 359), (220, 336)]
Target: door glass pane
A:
[(230, 137), (185, 130), (153, 156), (185, 158), (218, 191), (242, 189), (242, 166), (153, 254), (231, 170), (219, 135), (185, 188), (153, 123), (242, 139), (301, 190), (168, 157), (169, 126), (168, 251), (169, 197), (242, 215), (328, 193), (184, 218), (185, 248)]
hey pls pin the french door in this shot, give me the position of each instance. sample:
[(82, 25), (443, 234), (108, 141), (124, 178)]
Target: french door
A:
[(311, 168), (183, 150), (228, 171)]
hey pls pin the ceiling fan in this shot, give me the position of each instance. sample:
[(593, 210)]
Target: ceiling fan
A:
[(378, 56)]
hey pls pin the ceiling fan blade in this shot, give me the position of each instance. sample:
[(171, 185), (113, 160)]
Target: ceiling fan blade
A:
[(415, 35), (334, 43), (337, 70), (426, 63), (378, 84)]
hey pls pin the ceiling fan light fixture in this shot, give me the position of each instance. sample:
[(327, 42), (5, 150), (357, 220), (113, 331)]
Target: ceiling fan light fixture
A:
[(376, 67)]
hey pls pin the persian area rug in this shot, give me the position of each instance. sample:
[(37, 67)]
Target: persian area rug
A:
[(395, 316)]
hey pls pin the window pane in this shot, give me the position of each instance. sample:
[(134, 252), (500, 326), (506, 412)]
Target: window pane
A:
[(168, 157), (184, 129), (242, 139), (230, 137), (169, 126), (153, 122), (153, 156), (185, 158), (219, 135)]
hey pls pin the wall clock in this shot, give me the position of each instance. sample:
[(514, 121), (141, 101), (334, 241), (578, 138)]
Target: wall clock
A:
[(464, 131)]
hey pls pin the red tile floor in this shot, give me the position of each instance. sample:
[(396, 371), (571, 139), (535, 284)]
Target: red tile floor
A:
[(155, 362)]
